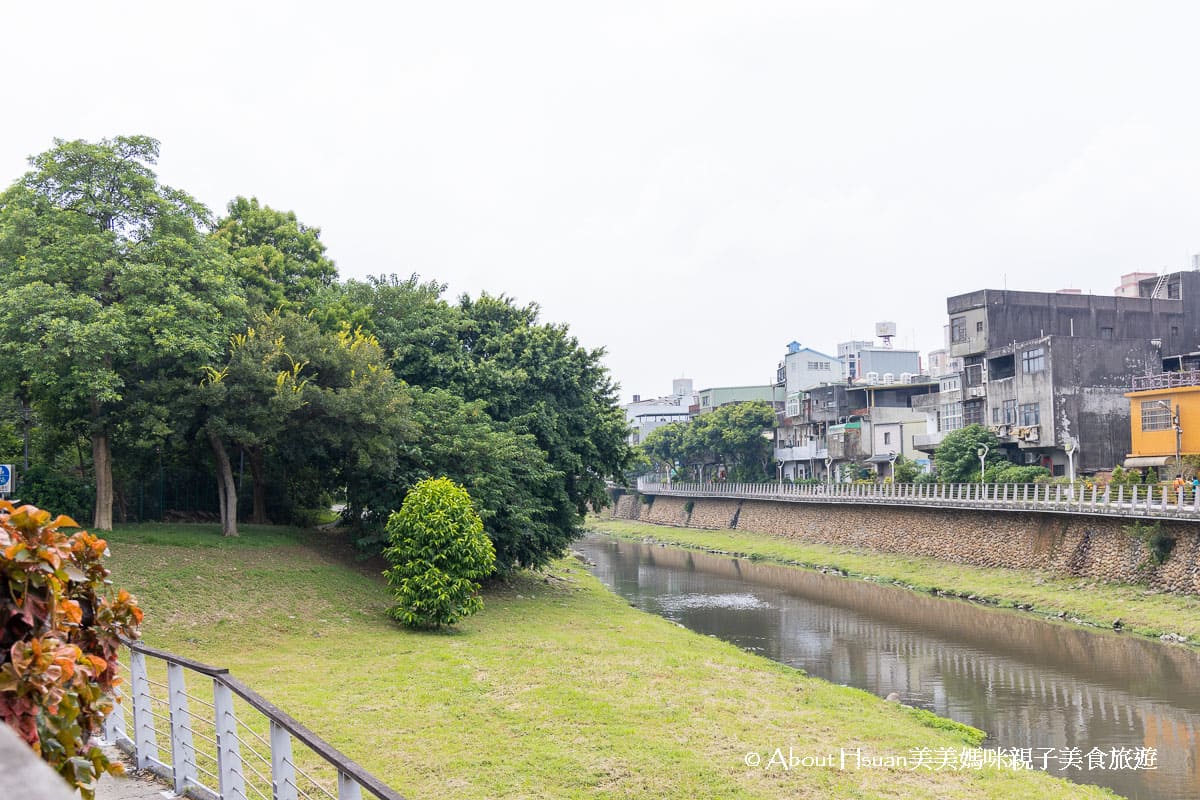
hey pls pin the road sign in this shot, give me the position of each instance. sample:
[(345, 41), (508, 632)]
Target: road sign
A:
[(6, 478)]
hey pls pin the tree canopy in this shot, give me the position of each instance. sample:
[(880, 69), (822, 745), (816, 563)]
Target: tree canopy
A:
[(164, 356), (956, 459)]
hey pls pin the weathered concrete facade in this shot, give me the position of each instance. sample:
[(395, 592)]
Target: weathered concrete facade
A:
[(1095, 547)]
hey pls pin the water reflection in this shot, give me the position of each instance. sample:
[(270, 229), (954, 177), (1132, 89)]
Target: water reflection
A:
[(1028, 683)]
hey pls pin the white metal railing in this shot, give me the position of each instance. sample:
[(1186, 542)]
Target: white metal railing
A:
[(228, 764), (1148, 502)]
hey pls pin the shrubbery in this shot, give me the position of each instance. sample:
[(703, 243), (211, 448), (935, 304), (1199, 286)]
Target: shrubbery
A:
[(438, 551), (60, 623)]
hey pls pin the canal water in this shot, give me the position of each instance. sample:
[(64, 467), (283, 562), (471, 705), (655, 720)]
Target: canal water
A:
[(1047, 686)]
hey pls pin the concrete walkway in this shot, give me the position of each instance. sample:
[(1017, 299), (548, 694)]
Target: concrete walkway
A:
[(134, 785)]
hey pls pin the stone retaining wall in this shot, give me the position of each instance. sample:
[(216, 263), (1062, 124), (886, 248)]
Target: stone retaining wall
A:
[(1096, 547)]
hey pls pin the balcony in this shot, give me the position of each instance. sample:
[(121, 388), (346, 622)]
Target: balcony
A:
[(801, 453), (928, 442)]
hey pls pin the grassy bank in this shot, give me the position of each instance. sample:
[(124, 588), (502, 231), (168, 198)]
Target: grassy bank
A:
[(1142, 610), (558, 689)]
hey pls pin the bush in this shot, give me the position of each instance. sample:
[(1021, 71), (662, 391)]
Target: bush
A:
[(60, 624), (1014, 473), (48, 488), (438, 551)]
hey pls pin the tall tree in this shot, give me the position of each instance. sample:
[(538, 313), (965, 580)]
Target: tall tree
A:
[(280, 260), (109, 290)]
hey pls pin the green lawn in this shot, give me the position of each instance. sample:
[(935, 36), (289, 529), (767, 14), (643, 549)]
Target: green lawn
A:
[(558, 689), (1143, 610)]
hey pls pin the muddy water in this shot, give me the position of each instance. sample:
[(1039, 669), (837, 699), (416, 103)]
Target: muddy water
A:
[(1029, 683)]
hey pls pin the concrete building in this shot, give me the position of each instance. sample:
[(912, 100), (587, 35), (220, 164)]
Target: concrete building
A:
[(1046, 369), (715, 397), (803, 367), (643, 416), (1164, 411)]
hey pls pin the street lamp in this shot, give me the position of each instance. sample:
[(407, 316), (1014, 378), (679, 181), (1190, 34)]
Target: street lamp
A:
[(779, 469), (982, 452), (1069, 447), (892, 465)]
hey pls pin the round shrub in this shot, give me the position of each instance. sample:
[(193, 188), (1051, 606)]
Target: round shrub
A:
[(438, 551)]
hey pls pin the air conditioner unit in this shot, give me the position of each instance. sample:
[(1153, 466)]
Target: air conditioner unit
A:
[(906, 377), (976, 391), (889, 377), (872, 377)]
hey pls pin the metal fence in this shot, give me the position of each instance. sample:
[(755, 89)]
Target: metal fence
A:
[(230, 745), (1143, 502)]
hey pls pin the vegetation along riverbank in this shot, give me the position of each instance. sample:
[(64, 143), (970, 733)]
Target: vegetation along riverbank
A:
[(558, 689), (1139, 609)]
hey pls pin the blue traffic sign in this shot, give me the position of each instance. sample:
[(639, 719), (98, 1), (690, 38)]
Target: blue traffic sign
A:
[(5, 478)]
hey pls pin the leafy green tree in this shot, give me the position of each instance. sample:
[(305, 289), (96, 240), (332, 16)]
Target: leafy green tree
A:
[(956, 459), (111, 296), (732, 434), (280, 261), (530, 378), (905, 470), (438, 552), (665, 446)]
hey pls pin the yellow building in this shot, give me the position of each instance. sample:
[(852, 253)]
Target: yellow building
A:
[(1164, 418)]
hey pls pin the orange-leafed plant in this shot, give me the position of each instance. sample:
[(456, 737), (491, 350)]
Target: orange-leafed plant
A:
[(60, 629)]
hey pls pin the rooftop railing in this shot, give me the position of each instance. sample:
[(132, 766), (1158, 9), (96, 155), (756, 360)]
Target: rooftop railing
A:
[(230, 745), (1141, 502), (1166, 380)]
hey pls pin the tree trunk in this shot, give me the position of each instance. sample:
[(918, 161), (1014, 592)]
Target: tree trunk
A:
[(226, 487), (259, 479), (102, 464)]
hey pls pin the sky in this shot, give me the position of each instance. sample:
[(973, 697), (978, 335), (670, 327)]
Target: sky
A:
[(688, 185)]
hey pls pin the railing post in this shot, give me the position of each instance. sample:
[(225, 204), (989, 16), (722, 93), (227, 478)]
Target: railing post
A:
[(1057, 495), (183, 754), (145, 743), (348, 788), (283, 773), (114, 723), (229, 757)]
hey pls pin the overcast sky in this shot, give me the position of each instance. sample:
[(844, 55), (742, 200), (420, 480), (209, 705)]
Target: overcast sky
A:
[(689, 185)]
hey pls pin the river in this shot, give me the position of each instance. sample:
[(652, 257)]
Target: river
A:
[(1048, 686)]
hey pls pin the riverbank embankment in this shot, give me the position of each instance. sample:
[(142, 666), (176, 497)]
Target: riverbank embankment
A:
[(1133, 607)]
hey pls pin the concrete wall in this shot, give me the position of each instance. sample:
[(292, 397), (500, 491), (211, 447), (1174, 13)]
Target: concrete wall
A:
[(1094, 547)]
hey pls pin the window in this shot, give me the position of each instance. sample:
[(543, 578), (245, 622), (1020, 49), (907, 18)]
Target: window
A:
[(995, 415), (821, 366), (1031, 414), (1174, 330), (887, 437), (958, 329), (973, 413), (950, 416), (1156, 415), (979, 326), (704, 401), (1033, 360), (1106, 333), (1010, 412)]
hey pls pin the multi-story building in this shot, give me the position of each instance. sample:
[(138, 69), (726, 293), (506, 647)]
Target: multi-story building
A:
[(1164, 412), (869, 363), (643, 416), (1048, 370), (717, 396)]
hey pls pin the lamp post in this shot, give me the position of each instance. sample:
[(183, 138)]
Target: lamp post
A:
[(982, 452), (1069, 448), (892, 465), (779, 470)]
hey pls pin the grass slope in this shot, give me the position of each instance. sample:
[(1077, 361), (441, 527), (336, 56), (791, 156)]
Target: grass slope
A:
[(558, 689), (1142, 610)]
